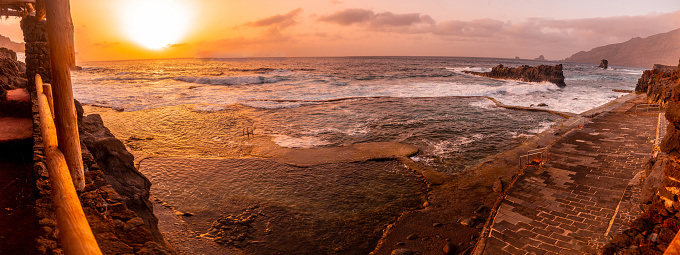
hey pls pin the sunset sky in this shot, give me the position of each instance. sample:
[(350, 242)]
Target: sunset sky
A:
[(142, 29)]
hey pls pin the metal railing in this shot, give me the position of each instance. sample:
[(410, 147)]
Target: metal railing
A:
[(647, 108), (248, 131), (660, 133), (536, 157)]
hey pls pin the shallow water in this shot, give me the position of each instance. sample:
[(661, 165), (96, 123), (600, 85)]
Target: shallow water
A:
[(186, 118), (314, 209)]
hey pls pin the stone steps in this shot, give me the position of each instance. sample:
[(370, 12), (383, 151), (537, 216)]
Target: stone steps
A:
[(16, 121)]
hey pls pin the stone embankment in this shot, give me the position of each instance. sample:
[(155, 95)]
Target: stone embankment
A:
[(582, 194), (656, 227), (526, 73)]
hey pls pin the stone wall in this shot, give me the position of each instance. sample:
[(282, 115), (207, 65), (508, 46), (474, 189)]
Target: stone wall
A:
[(37, 50)]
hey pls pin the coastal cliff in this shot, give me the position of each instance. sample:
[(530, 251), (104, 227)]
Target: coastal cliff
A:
[(639, 52), (658, 83), (526, 73)]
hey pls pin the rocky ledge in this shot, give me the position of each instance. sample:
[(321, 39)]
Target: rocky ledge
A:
[(658, 83), (527, 73)]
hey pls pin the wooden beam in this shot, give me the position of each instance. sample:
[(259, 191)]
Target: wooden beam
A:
[(16, 1), (62, 55), (74, 230)]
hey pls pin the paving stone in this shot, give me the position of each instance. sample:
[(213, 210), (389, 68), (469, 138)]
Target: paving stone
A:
[(566, 206)]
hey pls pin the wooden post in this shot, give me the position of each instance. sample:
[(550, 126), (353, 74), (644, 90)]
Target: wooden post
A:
[(47, 90), (62, 55), (74, 231)]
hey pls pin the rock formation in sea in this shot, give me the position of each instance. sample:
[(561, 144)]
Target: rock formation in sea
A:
[(527, 73), (658, 83), (540, 58), (604, 64)]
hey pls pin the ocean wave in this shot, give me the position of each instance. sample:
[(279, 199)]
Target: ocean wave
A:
[(127, 77), (461, 70), (269, 77)]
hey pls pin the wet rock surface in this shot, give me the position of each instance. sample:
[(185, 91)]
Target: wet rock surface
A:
[(117, 165), (527, 73)]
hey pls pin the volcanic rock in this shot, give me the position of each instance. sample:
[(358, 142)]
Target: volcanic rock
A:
[(604, 64), (449, 248), (402, 252), (117, 164), (526, 73), (12, 72), (658, 83), (497, 186)]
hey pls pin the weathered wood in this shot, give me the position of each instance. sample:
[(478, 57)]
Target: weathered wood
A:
[(47, 90), (674, 246), (74, 231), (16, 1), (60, 40)]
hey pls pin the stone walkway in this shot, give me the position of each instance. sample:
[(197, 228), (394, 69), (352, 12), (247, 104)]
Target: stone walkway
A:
[(588, 189)]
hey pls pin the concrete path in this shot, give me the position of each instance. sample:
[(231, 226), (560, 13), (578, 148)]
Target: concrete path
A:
[(588, 189)]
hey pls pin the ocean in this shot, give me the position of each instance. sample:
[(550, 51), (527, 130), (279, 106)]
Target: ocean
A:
[(184, 120)]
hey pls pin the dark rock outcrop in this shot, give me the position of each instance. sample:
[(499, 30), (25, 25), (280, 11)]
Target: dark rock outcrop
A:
[(604, 64), (117, 165), (658, 83), (12, 72), (527, 73), (540, 58)]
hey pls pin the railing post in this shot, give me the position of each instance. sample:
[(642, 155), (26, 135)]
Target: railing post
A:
[(74, 231), (62, 55)]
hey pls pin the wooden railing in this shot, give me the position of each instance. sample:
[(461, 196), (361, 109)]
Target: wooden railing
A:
[(74, 231)]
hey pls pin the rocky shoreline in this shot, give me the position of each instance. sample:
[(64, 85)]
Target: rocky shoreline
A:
[(115, 200)]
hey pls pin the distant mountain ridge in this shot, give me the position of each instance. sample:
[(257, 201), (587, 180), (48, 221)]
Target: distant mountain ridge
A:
[(661, 48), (5, 42)]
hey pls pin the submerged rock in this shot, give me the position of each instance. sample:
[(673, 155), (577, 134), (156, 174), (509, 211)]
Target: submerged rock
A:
[(497, 185), (402, 252), (527, 73), (449, 248), (468, 222)]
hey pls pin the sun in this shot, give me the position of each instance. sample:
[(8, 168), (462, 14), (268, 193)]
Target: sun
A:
[(155, 24)]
